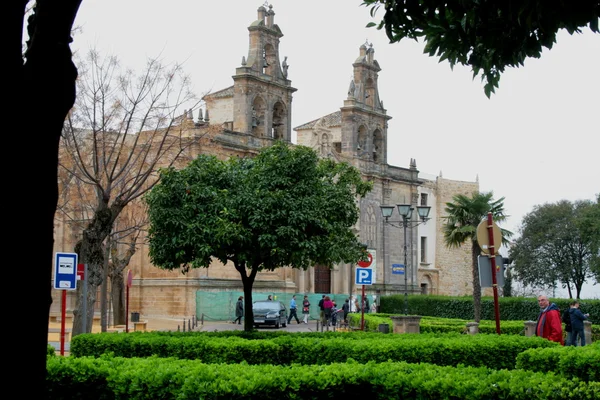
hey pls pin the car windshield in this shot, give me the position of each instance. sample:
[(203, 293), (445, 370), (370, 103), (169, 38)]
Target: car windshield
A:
[(266, 305)]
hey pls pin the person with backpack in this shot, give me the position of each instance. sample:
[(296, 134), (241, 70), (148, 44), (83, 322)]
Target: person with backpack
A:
[(577, 318)]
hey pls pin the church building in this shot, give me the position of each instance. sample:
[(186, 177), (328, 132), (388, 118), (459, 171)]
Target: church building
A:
[(257, 110)]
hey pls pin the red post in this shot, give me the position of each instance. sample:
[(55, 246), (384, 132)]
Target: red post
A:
[(493, 262), (63, 316), (362, 310), (127, 311)]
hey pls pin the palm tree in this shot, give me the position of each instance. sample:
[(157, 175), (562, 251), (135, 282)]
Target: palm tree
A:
[(463, 216)]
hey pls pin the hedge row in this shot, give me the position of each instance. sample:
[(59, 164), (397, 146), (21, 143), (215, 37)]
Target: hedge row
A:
[(448, 349), (437, 324), (573, 362), (510, 308), (159, 378), (440, 325)]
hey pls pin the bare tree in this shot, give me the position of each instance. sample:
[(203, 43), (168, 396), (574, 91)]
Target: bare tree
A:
[(122, 245), (122, 128)]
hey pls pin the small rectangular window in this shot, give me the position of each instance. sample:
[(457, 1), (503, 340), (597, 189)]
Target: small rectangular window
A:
[(423, 199), (423, 249)]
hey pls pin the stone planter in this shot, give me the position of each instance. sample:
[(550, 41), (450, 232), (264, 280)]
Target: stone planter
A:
[(406, 323), (472, 328)]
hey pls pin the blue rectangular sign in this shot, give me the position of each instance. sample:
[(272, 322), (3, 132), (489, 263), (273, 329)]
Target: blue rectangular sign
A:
[(364, 276), (65, 271), (398, 269)]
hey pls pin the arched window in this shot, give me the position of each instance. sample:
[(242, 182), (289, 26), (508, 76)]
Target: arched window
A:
[(258, 116), (369, 92), (377, 146), (279, 121), (361, 146)]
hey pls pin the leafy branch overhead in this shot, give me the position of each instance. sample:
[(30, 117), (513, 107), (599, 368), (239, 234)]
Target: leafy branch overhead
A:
[(487, 35)]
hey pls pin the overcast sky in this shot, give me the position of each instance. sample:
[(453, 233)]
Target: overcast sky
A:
[(535, 141)]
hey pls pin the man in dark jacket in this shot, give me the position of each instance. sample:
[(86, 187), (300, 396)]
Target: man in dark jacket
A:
[(322, 310), (549, 325), (577, 318)]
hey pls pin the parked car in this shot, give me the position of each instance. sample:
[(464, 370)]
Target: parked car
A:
[(269, 313)]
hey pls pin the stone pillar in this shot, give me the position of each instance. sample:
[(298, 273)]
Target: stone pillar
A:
[(472, 328), (530, 328), (587, 331), (406, 323)]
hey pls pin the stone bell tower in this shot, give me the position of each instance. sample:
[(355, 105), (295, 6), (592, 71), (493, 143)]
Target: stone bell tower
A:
[(262, 92), (364, 120)]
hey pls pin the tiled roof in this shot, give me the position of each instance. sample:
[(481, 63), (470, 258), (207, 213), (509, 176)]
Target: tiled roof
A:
[(333, 119), (227, 92)]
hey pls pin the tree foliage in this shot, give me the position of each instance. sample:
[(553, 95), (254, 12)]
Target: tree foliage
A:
[(283, 208), (463, 215), (487, 35), (558, 243)]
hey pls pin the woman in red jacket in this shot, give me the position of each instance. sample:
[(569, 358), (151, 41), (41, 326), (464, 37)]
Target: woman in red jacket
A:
[(549, 324)]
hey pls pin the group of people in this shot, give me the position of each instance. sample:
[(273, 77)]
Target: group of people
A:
[(549, 322)]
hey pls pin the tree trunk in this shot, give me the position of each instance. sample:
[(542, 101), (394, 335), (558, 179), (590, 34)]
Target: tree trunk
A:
[(41, 92), (91, 251), (476, 251), (118, 297), (248, 282)]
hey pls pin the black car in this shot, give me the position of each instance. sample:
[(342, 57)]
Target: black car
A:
[(269, 313)]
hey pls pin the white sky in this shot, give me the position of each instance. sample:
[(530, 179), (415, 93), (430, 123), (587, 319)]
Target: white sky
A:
[(535, 141)]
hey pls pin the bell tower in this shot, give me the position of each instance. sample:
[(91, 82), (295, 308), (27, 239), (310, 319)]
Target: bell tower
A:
[(364, 120), (262, 92)]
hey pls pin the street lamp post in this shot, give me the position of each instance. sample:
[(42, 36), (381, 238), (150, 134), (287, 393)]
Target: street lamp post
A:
[(405, 211)]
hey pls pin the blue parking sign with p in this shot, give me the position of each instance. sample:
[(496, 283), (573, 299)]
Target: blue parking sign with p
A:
[(364, 276)]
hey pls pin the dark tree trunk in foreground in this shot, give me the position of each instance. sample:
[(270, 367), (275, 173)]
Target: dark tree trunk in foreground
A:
[(41, 91)]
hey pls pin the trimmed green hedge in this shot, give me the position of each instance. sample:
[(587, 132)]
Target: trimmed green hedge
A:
[(436, 324), (510, 308), (159, 378), (435, 348), (573, 362)]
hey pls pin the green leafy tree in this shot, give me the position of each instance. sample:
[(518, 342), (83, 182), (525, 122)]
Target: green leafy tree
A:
[(558, 243), (487, 35), (283, 208), (464, 214), (591, 225)]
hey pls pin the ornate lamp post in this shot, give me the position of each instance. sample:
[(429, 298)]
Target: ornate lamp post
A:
[(405, 211)]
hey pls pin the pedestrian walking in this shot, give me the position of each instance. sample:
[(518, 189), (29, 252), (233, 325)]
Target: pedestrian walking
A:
[(239, 310), (346, 310), (305, 309), (327, 306), (322, 310), (293, 310), (549, 325), (577, 318)]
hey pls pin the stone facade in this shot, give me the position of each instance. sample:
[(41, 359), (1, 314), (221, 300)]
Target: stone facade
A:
[(253, 113)]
